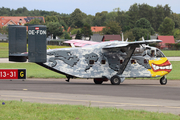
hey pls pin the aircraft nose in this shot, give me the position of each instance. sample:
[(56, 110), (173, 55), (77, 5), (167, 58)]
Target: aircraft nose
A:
[(166, 66)]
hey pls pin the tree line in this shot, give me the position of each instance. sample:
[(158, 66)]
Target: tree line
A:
[(140, 20)]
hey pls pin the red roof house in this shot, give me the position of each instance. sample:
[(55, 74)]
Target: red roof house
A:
[(165, 39), (97, 28), (17, 20)]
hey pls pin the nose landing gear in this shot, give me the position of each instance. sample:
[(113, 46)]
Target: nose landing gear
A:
[(163, 80)]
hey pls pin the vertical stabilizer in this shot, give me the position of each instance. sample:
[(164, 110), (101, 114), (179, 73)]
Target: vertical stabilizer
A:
[(17, 43), (37, 43)]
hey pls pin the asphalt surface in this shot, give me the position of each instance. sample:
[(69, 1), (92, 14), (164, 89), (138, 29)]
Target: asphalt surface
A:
[(132, 94)]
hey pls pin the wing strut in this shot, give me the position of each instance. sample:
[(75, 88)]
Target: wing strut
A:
[(129, 52)]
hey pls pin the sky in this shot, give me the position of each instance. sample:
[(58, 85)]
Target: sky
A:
[(86, 6)]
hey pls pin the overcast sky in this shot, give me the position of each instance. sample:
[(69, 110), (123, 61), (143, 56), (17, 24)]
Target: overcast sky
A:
[(86, 6)]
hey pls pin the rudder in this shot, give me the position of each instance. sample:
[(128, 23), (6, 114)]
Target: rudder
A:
[(17, 43)]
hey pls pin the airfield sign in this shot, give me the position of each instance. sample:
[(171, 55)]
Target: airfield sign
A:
[(12, 73)]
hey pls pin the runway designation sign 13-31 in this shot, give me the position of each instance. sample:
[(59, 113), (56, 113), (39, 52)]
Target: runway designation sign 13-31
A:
[(12, 73)]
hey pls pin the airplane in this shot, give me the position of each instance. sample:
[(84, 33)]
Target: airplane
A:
[(111, 60)]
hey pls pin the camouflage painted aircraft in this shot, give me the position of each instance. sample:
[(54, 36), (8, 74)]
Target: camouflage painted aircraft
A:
[(112, 60)]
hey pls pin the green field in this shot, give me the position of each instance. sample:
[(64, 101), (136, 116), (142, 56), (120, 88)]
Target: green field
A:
[(19, 110), (4, 50), (174, 74), (171, 53), (33, 70), (36, 71)]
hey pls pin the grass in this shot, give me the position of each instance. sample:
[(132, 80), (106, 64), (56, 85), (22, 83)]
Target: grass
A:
[(174, 74), (4, 52), (171, 53), (19, 110), (33, 70), (36, 71)]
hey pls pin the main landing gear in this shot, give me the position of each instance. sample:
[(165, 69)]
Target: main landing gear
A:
[(115, 80), (163, 80), (99, 80)]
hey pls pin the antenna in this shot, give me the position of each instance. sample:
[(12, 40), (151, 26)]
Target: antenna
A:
[(142, 38), (122, 37), (127, 40)]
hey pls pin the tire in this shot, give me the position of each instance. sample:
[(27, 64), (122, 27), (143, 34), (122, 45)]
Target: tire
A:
[(98, 81), (163, 81), (115, 80)]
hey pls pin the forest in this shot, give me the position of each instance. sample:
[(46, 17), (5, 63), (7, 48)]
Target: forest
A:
[(140, 20)]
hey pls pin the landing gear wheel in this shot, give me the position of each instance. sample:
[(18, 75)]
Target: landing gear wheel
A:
[(97, 81), (115, 80), (163, 80)]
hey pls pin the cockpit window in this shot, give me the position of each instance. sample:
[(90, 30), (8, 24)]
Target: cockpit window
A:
[(159, 54), (153, 53)]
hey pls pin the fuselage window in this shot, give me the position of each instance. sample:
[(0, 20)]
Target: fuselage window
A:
[(103, 61), (121, 61), (146, 61), (91, 61), (133, 61)]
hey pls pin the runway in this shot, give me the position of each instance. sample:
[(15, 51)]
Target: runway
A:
[(132, 94)]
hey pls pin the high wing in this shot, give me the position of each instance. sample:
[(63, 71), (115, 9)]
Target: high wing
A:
[(136, 43), (80, 43), (130, 46)]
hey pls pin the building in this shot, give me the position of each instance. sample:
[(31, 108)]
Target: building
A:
[(103, 38), (96, 38), (73, 36), (112, 38), (96, 29), (17, 20), (3, 37), (165, 40)]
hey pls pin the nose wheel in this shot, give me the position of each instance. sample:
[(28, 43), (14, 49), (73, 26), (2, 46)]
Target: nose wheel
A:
[(163, 80)]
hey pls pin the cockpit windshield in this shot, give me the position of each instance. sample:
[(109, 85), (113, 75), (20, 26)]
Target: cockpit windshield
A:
[(153, 53), (159, 53)]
